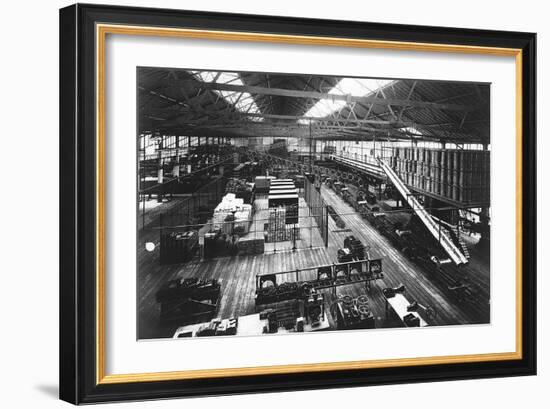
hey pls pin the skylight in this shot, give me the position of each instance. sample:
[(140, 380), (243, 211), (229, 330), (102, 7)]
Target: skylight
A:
[(411, 131), (242, 101), (357, 87)]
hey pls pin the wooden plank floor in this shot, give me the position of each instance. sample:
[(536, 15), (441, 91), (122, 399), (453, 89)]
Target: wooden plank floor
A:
[(425, 284), (237, 275)]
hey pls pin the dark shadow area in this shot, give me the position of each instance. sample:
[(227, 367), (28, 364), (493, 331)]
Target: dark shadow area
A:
[(50, 390)]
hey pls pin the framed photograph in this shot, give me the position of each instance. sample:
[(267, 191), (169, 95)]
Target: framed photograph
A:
[(258, 203)]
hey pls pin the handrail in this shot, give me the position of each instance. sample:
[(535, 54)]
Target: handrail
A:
[(354, 262), (364, 166), (433, 227)]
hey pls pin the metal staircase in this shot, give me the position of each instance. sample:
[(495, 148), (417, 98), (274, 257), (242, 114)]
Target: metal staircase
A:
[(456, 254), (464, 248), (454, 233)]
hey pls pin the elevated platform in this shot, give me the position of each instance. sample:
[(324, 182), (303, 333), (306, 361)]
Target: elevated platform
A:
[(377, 172), (369, 168), (439, 233)]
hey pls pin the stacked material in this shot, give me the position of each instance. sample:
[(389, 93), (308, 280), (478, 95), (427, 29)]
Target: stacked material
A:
[(283, 190), (299, 181), (277, 227), (241, 188), (242, 220), (238, 222), (285, 186), (286, 201), (229, 206), (225, 208), (262, 183), (275, 182), (456, 174), (283, 193)]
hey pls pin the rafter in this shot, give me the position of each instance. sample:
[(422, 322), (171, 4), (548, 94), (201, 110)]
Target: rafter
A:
[(335, 97), (203, 108)]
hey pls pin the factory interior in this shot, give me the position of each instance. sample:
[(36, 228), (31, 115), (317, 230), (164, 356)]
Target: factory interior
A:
[(273, 203)]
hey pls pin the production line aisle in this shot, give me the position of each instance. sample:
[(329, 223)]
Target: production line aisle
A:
[(237, 275), (422, 286)]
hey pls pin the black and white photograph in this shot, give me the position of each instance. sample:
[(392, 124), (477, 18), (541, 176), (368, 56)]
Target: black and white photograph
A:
[(282, 203), (254, 203)]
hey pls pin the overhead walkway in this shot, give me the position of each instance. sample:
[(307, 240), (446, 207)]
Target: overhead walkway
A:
[(369, 168)]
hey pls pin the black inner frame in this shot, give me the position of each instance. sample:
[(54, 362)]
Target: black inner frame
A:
[(78, 194)]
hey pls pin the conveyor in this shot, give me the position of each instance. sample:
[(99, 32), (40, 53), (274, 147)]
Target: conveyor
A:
[(440, 234)]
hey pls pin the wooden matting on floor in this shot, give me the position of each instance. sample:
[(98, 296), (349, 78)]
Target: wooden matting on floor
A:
[(427, 285)]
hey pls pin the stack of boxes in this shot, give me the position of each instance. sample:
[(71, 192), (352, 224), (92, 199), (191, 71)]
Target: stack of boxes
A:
[(283, 211), (232, 216), (278, 230), (241, 223), (283, 194), (457, 174)]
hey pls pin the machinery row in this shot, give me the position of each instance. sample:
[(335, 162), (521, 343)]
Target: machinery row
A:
[(302, 300)]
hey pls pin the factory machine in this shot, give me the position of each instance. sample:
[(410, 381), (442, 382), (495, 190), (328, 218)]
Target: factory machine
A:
[(301, 302), (353, 250), (365, 201), (353, 313), (338, 186), (188, 300)]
